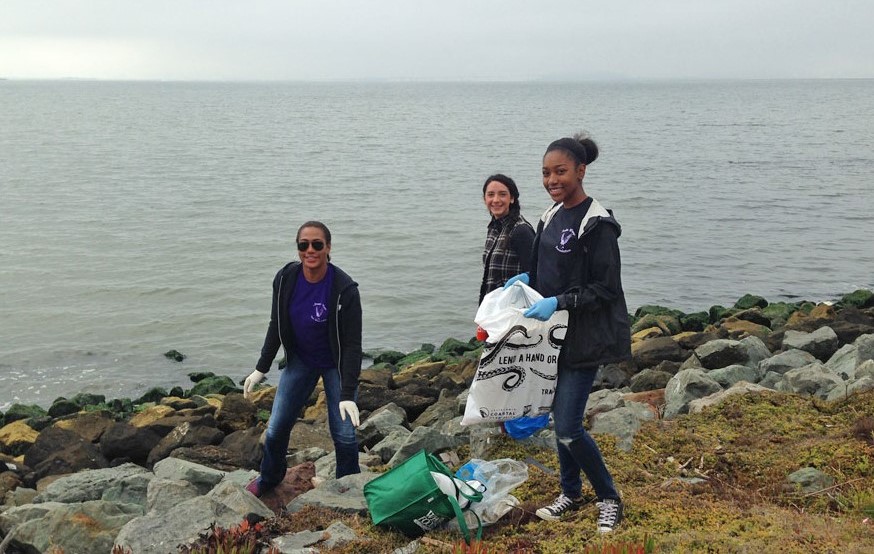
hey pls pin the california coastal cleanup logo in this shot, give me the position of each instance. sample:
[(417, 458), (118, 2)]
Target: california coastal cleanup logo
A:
[(566, 237), (320, 312)]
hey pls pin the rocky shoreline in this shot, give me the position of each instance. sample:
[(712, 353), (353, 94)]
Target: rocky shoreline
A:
[(155, 473)]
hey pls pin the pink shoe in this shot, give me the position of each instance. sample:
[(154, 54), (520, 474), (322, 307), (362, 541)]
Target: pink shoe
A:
[(254, 487)]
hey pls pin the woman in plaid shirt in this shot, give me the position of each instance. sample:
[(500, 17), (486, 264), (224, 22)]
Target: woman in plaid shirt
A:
[(507, 250)]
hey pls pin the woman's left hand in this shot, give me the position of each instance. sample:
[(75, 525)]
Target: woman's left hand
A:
[(542, 309), (347, 407)]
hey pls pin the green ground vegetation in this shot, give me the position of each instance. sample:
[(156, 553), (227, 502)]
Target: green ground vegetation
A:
[(709, 482)]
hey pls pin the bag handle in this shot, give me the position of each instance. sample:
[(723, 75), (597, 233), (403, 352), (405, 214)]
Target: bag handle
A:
[(462, 523), (440, 467), (476, 496)]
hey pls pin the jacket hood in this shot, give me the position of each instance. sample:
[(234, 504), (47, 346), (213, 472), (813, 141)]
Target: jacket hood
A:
[(596, 214)]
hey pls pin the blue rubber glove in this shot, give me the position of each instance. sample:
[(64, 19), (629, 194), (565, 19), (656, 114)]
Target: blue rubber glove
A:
[(542, 309), (521, 277)]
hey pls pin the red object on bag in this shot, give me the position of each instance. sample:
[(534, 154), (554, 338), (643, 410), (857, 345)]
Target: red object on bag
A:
[(481, 334)]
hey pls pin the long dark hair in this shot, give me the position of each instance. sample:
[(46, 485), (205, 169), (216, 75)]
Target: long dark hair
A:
[(511, 186)]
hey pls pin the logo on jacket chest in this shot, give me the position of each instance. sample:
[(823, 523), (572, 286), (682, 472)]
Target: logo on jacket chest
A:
[(565, 241)]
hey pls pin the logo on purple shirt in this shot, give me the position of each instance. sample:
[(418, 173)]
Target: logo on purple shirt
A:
[(566, 237), (320, 312)]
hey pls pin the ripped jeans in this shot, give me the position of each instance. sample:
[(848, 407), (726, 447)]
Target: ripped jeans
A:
[(577, 450)]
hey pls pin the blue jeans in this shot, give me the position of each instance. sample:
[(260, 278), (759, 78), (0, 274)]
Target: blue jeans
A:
[(577, 450), (296, 383)]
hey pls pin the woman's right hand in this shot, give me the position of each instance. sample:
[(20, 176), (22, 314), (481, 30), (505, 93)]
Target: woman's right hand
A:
[(249, 384), (521, 277)]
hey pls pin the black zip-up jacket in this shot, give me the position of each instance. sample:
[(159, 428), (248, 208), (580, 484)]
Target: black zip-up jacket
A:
[(598, 330), (344, 326)]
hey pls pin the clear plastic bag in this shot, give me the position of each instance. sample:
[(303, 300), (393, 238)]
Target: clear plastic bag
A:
[(499, 477)]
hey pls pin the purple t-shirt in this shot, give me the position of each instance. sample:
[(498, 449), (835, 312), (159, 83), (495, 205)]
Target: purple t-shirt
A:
[(308, 310)]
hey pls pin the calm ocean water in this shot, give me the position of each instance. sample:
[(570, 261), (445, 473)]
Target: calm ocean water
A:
[(137, 217)]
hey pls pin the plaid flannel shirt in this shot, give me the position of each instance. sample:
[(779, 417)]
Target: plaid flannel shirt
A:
[(507, 251)]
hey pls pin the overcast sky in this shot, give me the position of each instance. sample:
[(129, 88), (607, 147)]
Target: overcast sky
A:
[(435, 40)]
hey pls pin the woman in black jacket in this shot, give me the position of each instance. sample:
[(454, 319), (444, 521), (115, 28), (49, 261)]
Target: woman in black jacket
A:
[(316, 317), (576, 267)]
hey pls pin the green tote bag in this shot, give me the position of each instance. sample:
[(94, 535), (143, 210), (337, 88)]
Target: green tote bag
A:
[(407, 498)]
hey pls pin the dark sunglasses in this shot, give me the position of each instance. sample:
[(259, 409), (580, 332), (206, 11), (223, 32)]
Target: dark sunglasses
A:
[(317, 245)]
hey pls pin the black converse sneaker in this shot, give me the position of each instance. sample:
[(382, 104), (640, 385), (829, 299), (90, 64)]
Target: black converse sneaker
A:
[(609, 514), (561, 505)]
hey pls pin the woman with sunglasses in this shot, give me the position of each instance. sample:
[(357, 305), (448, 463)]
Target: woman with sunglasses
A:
[(509, 237), (316, 317), (576, 268)]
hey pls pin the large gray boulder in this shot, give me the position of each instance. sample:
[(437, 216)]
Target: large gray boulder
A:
[(684, 387), (163, 494), (623, 423), (849, 357), (127, 483), (865, 369), (813, 380), (236, 497), (785, 361), (202, 477), (439, 412), (821, 343), (345, 495), (482, 440), (771, 379), (454, 428), (728, 376), (602, 401), (382, 422), (76, 528), (163, 532), (756, 350), (849, 388), (431, 440), (389, 445)]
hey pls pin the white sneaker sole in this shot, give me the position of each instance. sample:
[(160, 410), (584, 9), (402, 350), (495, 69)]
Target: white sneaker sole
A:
[(545, 515)]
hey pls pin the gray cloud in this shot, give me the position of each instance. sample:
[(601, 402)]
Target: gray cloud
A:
[(450, 39)]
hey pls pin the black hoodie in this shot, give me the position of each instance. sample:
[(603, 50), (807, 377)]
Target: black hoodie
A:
[(344, 326), (598, 330)]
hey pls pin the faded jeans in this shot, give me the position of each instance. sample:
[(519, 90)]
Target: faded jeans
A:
[(296, 383), (577, 450)]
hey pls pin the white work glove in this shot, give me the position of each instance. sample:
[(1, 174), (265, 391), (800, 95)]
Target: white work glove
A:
[(253, 379), (349, 407)]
